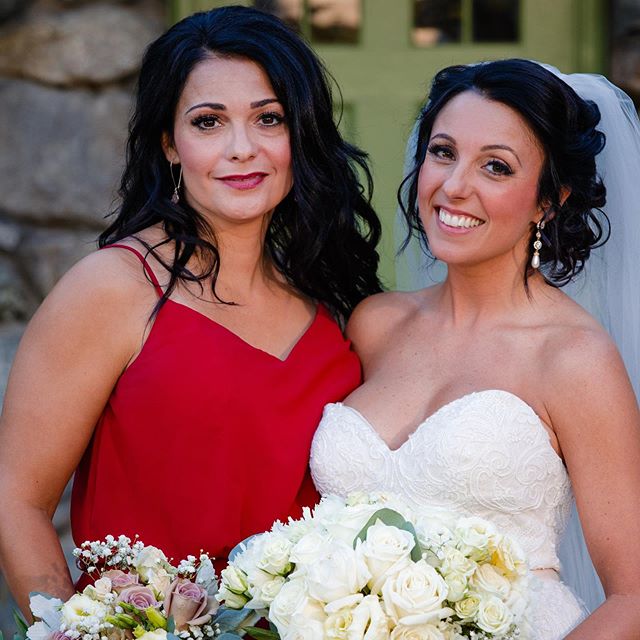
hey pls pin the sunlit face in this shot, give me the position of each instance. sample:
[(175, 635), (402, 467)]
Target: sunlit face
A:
[(478, 185), (231, 139)]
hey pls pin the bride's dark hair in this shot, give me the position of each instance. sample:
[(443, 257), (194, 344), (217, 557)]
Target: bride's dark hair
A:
[(565, 127), (322, 237)]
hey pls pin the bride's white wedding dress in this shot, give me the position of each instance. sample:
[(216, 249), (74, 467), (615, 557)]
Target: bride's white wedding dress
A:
[(485, 454)]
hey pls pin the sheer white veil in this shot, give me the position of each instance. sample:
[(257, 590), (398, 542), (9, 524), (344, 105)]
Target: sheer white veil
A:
[(609, 287)]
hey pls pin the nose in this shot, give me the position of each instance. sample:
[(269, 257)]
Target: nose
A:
[(241, 144), (457, 184)]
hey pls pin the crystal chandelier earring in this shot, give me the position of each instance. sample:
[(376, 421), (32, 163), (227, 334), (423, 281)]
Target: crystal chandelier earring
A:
[(175, 198), (537, 245)]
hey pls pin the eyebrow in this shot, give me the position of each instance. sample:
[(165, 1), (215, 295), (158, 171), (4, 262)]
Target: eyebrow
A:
[(488, 147), (218, 106)]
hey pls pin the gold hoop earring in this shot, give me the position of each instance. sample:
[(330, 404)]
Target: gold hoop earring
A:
[(537, 245), (175, 198)]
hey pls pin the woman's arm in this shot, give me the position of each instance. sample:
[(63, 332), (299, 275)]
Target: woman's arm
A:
[(597, 421), (70, 357)]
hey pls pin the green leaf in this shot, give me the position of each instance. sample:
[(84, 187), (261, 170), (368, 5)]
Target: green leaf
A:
[(228, 636), (171, 626), (21, 624), (172, 636), (228, 620), (262, 634), (392, 519)]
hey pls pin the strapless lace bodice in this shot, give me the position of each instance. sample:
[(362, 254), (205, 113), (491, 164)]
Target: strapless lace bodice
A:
[(485, 454)]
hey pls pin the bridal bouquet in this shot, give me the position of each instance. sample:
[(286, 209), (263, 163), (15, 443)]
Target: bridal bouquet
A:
[(371, 568), (136, 593)]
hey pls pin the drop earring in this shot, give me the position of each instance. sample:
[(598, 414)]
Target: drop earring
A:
[(537, 245), (175, 198)]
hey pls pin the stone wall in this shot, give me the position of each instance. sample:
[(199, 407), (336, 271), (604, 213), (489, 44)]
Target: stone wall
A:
[(67, 71)]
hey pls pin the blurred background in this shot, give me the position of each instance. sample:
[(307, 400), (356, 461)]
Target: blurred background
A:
[(68, 68)]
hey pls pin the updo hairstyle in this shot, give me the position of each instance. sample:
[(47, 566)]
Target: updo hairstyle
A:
[(565, 127)]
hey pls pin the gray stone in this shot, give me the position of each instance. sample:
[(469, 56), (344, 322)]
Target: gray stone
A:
[(9, 236), (17, 301), (93, 44), (63, 151), (46, 254)]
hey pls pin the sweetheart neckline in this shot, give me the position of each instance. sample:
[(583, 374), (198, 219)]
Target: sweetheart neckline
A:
[(453, 402)]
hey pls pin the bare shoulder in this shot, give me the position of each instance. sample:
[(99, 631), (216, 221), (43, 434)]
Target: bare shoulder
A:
[(584, 378), (104, 299), (377, 316)]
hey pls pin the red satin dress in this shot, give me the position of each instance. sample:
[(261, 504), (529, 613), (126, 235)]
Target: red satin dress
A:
[(205, 439)]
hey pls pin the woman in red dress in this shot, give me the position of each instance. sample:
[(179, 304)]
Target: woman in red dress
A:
[(183, 368)]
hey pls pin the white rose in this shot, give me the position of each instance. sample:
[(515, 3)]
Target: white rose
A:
[(148, 562), (434, 527), (39, 631), (233, 579), (342, 522), (457, 585), (386, 551), (493, 616), (263, 595), (488, 579), (339, 573), (454, 561), (293, 600), (468, 607), (273, 554), (416, 595), (160, 580), (509, 557), (79, 607), (231, 600), (417, 632), (337, 624), (474, 537), (308, 549), (158, 634), (301, 628), (369, 621)]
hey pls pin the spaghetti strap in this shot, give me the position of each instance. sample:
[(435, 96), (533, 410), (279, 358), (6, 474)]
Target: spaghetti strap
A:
[(145, 264)]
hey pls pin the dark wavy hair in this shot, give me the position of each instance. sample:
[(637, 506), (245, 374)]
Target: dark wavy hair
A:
[(565, 127), (322, 237)]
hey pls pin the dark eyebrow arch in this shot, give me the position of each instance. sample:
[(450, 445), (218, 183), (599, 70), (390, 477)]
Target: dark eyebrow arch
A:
[(218, 106), (504, 147)]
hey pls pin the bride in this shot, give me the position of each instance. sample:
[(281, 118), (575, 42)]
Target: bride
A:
[(494, 393)]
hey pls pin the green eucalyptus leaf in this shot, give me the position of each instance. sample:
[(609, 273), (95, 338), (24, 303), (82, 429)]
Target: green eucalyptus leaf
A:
[(21, 624), (228, 620), (262, 634), (228, 636), (171, 626), (392, 519)]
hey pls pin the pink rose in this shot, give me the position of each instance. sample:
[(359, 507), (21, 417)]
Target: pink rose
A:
[(120, 580), (139, 596), (188, 603), (58, 635)]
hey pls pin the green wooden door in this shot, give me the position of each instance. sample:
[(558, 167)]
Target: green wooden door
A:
[(383, 74)]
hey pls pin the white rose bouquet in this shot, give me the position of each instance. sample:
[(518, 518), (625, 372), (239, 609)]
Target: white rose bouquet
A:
[(136, 594), (372, 568)]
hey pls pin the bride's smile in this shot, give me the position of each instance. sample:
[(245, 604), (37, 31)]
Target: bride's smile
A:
[(478, 185)]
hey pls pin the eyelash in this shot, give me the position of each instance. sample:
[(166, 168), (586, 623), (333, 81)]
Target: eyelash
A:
[(208, 121), (444, 152)]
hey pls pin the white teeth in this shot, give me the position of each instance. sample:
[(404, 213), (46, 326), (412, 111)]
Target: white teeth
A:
[(457, 221)]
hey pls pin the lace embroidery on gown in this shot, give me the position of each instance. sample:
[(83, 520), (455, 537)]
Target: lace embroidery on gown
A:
[(485, 454)]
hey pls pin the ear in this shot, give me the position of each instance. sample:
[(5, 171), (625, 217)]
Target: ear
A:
[(169, 149), (546, 210), (565, 192)]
